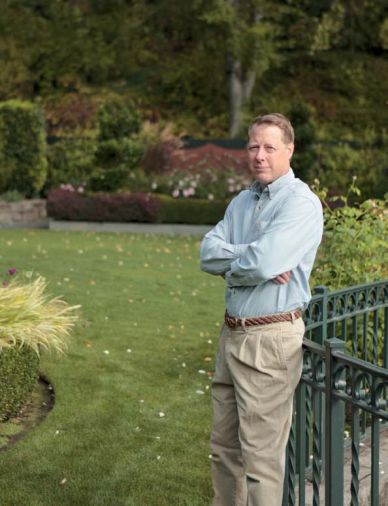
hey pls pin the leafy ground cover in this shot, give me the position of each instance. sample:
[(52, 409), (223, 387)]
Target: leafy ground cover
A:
[(131, 421)]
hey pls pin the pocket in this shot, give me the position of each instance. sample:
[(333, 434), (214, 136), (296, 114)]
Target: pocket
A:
[(291, 343), (262, 350)]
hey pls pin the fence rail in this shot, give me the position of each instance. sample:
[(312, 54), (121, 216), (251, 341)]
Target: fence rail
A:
[(343, 389)]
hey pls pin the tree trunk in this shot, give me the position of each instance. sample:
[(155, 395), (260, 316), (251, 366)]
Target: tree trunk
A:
[(241, 83), (240, 91)]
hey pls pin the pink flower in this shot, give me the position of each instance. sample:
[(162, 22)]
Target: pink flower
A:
[(12, 271), (175, 193), (188, 192)]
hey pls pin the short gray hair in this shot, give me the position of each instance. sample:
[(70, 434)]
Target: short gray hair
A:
[(276, 119)]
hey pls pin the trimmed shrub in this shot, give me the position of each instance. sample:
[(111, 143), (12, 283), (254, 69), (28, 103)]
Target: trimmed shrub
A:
[(191, 211), (30, 321), (68, 204), (19, 368), (70, 160), (116, 207), (23, 163), (118, 150)]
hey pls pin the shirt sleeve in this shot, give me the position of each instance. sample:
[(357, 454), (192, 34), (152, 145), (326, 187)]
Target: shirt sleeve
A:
[(294, 231), (217, 253)]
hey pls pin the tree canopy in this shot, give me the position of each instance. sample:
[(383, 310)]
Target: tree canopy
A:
[(207, 62)]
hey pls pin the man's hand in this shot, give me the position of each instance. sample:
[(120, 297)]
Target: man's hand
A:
[(282, 279)]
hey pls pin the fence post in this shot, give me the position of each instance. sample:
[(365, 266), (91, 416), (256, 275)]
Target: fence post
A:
[(320, 333), (320, 336), (334, 430)]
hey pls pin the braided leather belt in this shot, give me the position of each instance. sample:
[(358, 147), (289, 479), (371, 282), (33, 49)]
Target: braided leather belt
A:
[(262, 320)]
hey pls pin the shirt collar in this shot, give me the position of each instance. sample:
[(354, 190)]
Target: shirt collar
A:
[(274, 187)]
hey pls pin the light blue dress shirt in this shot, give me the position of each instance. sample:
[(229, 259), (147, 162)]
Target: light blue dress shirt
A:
[(265, 233)]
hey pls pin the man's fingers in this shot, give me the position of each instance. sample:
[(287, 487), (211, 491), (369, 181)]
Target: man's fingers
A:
[(283, 278)]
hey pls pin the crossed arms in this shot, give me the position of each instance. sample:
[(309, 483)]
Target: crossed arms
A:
[(278, 249)]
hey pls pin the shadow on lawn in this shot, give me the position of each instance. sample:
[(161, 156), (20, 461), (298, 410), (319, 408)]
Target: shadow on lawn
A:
[(41, 402)]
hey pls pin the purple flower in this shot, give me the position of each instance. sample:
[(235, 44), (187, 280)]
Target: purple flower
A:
[(12, 271)]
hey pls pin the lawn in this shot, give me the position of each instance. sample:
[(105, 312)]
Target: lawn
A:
[(131, 421)]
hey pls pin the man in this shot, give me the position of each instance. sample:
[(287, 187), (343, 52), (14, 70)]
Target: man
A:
[(264, 248)]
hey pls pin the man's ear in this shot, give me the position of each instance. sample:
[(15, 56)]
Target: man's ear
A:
[(290, 148)]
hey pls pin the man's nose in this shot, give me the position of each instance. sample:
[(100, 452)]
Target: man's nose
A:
[(260, 153)]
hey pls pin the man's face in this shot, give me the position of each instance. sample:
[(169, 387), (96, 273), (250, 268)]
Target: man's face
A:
[(269, 156)]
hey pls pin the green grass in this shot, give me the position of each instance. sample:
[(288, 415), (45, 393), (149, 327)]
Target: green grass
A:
[(105, 443)]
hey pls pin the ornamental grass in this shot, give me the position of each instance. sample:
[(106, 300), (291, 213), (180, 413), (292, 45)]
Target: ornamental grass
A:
[(29, 316)]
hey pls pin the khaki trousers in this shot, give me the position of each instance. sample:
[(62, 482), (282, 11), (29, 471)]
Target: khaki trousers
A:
[(257, 371)]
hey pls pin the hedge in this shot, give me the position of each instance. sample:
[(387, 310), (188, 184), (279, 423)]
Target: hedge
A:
[(69, 204), (63, 204), (23, 163), (191, 211), (19, 368), (118, 147)]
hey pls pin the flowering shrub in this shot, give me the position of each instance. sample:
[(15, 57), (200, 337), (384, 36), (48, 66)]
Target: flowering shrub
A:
[(205, 184), (208, 172), (72, 188)]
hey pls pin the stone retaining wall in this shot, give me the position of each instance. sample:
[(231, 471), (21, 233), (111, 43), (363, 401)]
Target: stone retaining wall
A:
[(23, 212)]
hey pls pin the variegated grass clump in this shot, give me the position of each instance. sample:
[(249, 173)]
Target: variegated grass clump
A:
[(28, 316)]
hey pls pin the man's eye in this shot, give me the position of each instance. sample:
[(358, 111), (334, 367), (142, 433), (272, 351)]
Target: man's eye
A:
[(270, 149)]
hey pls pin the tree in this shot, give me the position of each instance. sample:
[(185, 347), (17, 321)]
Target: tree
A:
[(249, 41)]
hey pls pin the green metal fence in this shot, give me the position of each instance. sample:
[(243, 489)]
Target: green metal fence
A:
[(343, 390)]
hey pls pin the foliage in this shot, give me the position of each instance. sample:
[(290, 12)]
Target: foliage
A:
[(11, 196), (23, 164), (207, 184), (118, 148), (191, 211), (354, 241), (327, 55), (161, 55), (365, 158), (18, 374), (70, 112), (160, 143), (67, 203), (114, 152), (117, 121), (29, 317), (305, 157), (70, 160)]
